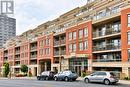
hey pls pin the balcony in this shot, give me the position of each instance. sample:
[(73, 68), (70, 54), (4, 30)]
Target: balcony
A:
[(63, 52), (17, 59), (106, 32), (110, 46), (33, 48), (63, 41), (33, 56), (108, 60), (56, 43), (17, 51), (56, 53)]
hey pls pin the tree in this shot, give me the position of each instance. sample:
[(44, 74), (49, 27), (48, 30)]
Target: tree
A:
[(6, 69), (24, 68)]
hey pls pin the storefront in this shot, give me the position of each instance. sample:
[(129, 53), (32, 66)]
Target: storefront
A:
[(78, 64)]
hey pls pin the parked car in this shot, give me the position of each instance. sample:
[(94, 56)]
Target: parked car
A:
[(66, 76), (102, 77), (46, 75)]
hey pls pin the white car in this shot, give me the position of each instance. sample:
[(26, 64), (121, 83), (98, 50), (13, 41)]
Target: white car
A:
[(105, 77)]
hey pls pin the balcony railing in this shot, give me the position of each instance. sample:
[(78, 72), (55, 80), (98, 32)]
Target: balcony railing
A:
[(107, 60), (62, 41), (17, 58), (34, 48), (110, 46), (106, 13), (33, 56), (56, 43), (56, 53), (17, 52), (63, 52), (106, 32)]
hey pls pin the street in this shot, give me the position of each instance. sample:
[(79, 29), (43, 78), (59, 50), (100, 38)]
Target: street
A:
[(35, 83)]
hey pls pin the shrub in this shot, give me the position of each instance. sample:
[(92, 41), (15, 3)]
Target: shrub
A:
[(24, 68), (6, 69)]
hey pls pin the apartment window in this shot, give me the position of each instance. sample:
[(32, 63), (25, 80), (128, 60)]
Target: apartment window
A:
[(74, 47), (129, 55), (85, 45), (74, 35), (128, 20), (85, 32), (70, 36), (41, 43), (80, 33), (70, 47), (129, 38), (80, 46)]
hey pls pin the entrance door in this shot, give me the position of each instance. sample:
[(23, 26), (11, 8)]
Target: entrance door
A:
[(78, 70)]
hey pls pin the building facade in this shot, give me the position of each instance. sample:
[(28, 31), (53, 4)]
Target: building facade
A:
[(93, 37), (7, 28)]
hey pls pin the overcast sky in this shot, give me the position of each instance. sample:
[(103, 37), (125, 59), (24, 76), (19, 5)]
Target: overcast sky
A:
[(31, 13)]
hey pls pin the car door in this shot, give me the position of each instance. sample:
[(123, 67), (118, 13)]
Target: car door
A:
[(100, 76), (93, 77), (60, 75)]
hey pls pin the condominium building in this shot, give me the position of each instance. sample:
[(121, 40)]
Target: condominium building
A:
[(7, 28), (93, 37)]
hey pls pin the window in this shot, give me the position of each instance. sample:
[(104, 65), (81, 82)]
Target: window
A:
[(129, 55), (129, 38), (85, 32), (85, 45), (80, 46), (80, 33), (128, 20), (70, 47), (74, 35), (70, 36), (74, 47)]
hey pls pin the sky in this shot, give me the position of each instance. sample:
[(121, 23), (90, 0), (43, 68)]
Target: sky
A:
[(31, 13)]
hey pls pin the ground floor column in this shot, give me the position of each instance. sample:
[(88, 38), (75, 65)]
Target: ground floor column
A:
[(89, 64), (125, 70)]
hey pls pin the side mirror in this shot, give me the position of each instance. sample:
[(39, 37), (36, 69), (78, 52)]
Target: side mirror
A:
[(91, 75)]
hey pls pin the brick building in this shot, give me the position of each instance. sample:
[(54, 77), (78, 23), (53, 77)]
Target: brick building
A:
[(92, 37)]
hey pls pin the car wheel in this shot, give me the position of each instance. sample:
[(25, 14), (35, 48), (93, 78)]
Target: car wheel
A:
[(38, 78), (106, 82), (66, 79), (86, 80), (46, 78), (55, 78)]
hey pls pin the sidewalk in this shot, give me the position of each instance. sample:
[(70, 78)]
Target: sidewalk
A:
[(19, 78)]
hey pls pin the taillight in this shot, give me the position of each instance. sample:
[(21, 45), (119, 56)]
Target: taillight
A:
[(111, 76)]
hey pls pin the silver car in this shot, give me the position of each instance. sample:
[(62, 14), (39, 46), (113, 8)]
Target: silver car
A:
[(105, 77)]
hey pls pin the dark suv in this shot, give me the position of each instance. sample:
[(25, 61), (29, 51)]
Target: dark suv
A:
[(46, 75)]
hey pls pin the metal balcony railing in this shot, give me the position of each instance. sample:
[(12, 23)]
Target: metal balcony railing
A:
[(33, 56), (34, 48), (107, 60), (110, 46), (62, 41), (106, 32), (56, 43), (63, 52), (56, 53)]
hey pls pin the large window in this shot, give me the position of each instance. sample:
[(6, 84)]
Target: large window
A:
[(74, 35), (80, 33), (70, 47), (85, 32), (74, 47), (85, 45), (129, 38), (128, 20), (129, 55), (80, 46), (70, 36)]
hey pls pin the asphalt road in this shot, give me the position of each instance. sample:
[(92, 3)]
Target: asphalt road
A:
[(35, 83)]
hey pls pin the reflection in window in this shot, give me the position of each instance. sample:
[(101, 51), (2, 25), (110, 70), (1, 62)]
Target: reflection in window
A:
[(128, 20), (80, 33), (129, 38)]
